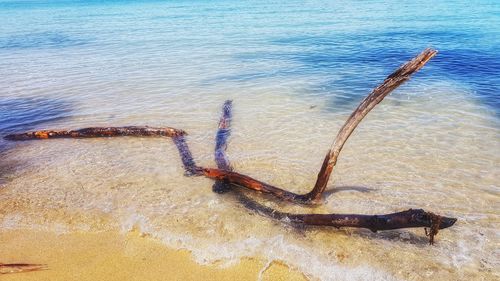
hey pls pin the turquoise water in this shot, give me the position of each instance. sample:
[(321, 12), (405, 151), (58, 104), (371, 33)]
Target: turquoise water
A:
[(295, 70), (334, 51)]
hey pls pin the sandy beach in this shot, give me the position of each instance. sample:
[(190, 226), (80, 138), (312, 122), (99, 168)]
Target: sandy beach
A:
[(113, 256)]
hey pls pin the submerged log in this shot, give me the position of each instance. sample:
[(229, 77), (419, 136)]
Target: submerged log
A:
[(223, 133), (405, 219), (96, 132), (20, 267), (190, 167), (395, 79)]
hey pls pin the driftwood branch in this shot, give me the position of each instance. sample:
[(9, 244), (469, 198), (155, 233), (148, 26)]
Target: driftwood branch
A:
[(404, 219), (226, 178), (20, 267), (393, 81), (399, 76), (96, 132)]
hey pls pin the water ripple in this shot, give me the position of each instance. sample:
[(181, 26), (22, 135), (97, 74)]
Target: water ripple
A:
[(47, 39)]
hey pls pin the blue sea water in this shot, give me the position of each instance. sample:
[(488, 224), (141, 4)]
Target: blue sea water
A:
[(346, 47), (286, 65)]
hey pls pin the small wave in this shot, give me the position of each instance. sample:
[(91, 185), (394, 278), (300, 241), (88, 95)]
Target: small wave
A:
[(274, 249)]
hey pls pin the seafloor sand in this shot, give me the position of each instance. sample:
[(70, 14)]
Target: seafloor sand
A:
[(427, 160), (112, 256)]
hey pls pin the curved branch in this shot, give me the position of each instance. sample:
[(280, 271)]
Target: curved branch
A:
[(397, 78), (393, 81)]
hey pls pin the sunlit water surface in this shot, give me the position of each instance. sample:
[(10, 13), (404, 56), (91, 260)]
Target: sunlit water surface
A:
[(295, 71)]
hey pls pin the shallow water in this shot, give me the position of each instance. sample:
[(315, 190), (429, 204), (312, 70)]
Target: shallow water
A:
[(295, 71)]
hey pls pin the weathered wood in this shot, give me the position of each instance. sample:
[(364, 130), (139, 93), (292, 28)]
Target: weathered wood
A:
[(393, 81), (399, 76), (251, 183), (406, 219), (95, 132), (6, 268)]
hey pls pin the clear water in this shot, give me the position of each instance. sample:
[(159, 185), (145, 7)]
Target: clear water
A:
[(295, 70)]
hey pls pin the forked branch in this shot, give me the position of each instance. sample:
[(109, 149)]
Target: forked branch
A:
[(406, 219), (226, 178), (397, 78)]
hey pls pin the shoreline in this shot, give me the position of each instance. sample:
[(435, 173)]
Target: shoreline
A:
[(114, 256)]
